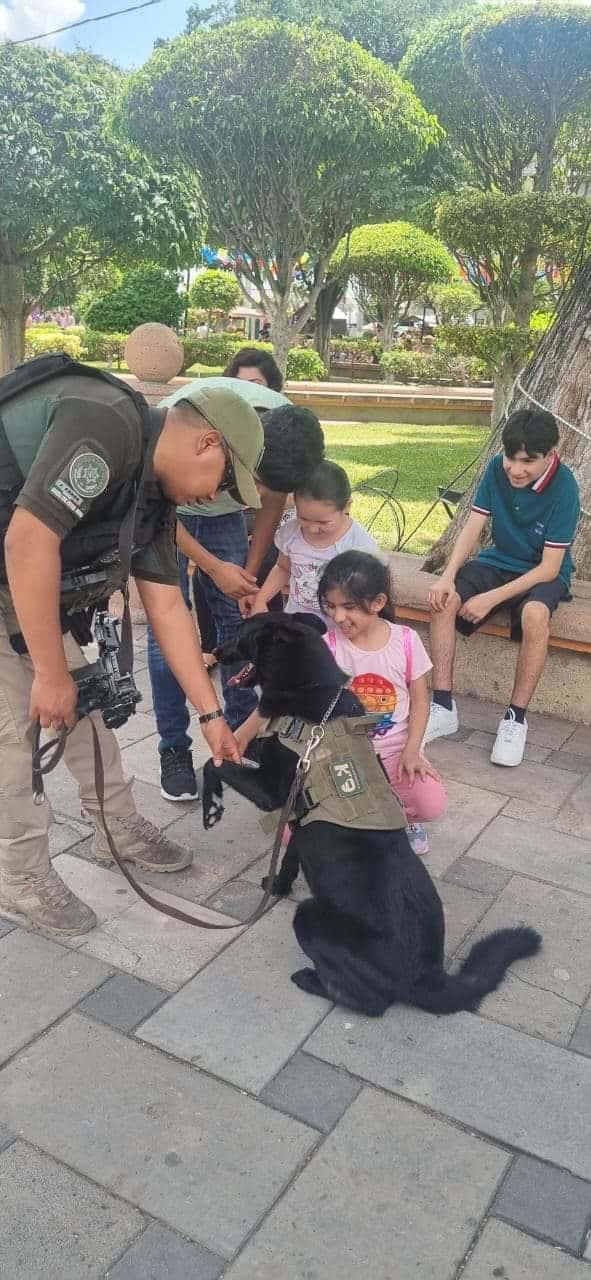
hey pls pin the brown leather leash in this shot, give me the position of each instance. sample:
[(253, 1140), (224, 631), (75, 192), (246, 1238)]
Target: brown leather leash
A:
[(54, 751)]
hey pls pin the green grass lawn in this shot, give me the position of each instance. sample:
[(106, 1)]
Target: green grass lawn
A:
[(425, 457)]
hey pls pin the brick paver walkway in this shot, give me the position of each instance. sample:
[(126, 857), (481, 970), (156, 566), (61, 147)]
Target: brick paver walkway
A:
[(172, 1107)]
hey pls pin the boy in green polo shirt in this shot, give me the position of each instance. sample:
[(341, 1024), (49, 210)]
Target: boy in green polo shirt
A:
[(532, 501)]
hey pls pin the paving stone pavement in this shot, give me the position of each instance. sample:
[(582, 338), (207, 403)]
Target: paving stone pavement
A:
[(173, 1108)]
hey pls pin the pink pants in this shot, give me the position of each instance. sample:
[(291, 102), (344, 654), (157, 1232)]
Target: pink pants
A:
[(421, 801)]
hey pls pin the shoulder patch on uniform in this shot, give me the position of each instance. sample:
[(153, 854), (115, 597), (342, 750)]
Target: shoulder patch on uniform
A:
[(89, 475)]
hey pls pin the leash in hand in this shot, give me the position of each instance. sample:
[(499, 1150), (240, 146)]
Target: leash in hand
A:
[(52, 752)]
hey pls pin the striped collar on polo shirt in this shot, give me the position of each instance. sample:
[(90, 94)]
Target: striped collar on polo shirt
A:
[(548, 475)]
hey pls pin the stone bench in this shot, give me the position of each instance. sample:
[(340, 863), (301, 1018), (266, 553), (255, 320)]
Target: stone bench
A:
[(485, 667), (365, 402)]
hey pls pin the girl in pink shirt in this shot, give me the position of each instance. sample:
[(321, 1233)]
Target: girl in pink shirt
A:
[(388, 665)]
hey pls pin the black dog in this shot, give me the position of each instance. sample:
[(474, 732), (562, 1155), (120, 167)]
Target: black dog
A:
[(374, 926)]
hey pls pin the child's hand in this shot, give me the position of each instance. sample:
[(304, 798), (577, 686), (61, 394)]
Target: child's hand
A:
[(412, 763), (258, 606), (243, 739), (477, 607), (246, 605)]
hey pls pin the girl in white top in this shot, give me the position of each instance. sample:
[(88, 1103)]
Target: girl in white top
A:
[(388, 666), (322, 529)]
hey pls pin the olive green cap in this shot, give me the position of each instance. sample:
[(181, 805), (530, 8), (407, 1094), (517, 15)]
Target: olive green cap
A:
[(238, 423)]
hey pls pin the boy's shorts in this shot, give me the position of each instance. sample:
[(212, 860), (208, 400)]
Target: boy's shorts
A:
[(476, 577)]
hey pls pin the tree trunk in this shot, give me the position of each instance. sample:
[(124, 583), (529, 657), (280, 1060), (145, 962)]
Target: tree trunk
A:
[(503, 381), (12, 316), (280, 333), (559, 377), (387, 334), (328, 299)]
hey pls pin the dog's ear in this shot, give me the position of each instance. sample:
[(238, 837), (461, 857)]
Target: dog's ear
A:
[(310, 620)]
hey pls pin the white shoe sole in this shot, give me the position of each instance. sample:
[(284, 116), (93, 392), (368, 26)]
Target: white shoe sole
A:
[(505, 764), (184, 799), (440, 733)]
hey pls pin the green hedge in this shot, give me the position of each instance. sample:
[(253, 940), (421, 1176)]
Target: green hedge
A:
[(42, 341), (359, 349), (216, 350), (489, 344), (406, 366), (303, 363), (105, 346)]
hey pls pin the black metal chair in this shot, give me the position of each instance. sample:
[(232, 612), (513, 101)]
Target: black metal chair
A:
[(450, 498), (382, 485)]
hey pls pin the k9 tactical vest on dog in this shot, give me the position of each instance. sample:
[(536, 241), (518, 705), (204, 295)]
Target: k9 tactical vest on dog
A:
[(346, 783)]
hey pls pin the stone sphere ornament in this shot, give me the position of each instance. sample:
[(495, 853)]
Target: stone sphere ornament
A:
[(154, 353)]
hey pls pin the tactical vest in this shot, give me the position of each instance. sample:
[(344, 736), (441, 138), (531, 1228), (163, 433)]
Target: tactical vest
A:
[(346, 783), (89, 546)]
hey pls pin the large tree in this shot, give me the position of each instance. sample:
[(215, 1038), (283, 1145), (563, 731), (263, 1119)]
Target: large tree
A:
[(558, 378), (71, 196), (286, 129), (506, 84), (390, 263), (383, 27)]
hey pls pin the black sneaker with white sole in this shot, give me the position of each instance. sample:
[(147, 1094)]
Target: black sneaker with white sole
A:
[(177, 775)]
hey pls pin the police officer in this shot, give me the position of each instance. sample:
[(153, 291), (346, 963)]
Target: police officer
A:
[(76, 454)]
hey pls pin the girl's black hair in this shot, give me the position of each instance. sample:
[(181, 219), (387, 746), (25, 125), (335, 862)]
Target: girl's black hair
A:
[(361, 577), (254, 358), (327, 483)]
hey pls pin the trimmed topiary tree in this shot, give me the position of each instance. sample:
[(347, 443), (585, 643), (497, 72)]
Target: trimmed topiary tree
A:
[(286, 128), (390, 263), (146, 295), (215, 291)]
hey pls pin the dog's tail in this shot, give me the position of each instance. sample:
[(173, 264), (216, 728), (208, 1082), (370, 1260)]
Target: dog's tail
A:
[(482, 972)]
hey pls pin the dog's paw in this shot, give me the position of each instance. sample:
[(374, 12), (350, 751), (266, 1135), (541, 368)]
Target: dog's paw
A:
[(212, 806), (307, 980), (211, 791)]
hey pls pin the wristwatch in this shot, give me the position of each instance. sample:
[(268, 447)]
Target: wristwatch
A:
[(211, 715)]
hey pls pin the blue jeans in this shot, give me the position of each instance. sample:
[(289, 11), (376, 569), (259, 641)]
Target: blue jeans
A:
[(225, 537)]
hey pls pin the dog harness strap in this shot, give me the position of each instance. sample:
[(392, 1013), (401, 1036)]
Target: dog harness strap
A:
[(346, 783)]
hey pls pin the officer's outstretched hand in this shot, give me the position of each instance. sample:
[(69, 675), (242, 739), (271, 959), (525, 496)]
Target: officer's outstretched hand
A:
[(221, 741), (53, 701)]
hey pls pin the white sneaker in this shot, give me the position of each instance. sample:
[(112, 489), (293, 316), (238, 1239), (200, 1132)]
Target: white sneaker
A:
[(418, 839), (509, 743), (441, 722)]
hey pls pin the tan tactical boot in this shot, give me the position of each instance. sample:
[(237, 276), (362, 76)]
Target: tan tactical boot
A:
[(43, 901), (137, 840)]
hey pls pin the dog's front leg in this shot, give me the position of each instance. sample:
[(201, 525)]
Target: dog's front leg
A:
[(253, 784), (212, 791)]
